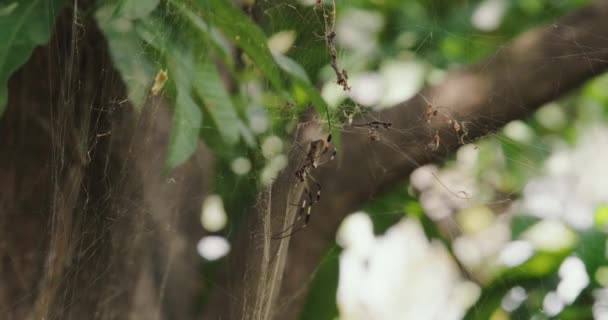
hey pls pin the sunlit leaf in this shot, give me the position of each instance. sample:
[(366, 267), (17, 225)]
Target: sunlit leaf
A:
[(159, 81), (541, 264), (601, 216), (24, 25)]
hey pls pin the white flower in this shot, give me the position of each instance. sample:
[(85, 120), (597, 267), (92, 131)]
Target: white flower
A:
[(573, 280), (213, 247), (476, 249), (600, 306), (488, 14), (399, 275), (213, 214), (513, 299), (550, 235), (515, 253), (575, 184), (357, 30), (271, 146), (241, 166), (446, 191)]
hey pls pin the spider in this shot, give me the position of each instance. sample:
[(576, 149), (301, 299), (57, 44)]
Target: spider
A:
[(460, 128), (317, 149), (372, 128), (434, 145)]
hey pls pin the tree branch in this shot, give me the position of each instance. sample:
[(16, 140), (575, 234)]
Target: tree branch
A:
[(536, 67)]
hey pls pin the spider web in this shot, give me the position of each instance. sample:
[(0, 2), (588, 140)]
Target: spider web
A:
[(119, 195)]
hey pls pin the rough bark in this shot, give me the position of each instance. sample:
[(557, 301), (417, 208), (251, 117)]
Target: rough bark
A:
[(90, 228), (536, 67)]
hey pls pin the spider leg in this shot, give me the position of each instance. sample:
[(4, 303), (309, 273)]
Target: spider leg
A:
[(304, 208), (307, 201), (330, 150), (312, 190), (326, 144), (331, 157), (308, 211), (317, 196), (308, 205)]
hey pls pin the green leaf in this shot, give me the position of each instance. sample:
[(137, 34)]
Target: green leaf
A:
[(127, 52), (592, 249), (248, 136), (209, 86), (601, 216), (492, 295), (246, 34), (187, 116), (291, 67), (187, 119), (541, 264), (521, 223), (207, 82), (183, 72), (24, 25), (322, 304), (208, 32), (7, 9), (135, 9)]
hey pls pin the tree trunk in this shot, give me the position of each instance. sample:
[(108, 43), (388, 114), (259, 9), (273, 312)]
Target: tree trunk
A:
[(90, 227)]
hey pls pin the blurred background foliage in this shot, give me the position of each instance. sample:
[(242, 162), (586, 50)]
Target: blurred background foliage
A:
[(239, 75), (254, 66)]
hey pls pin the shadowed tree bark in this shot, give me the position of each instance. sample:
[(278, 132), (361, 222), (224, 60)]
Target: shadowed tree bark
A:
[(536, 67), (90, 228)]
